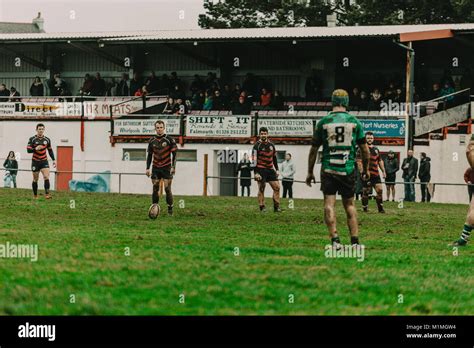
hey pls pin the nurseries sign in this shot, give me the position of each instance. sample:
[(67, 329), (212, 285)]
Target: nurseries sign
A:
[(219, 126)]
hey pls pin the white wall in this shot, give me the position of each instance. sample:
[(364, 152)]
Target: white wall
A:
[(99, 156)]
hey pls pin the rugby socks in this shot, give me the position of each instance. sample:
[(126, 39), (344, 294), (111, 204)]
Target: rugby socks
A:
[(379, 201), (35, 187), (365, 201), (169, 199), (155, 196), (46, 186), (354, 240), (466, 233)]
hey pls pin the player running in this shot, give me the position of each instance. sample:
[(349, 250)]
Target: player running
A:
[(339, 133), (162, 152), (375, 162), (264, 160), (469, 223), (37, 145)]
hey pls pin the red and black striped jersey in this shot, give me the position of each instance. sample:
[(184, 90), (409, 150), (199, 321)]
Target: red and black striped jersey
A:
[(264, 153), (161, 149), (40, 155), (374, 160)]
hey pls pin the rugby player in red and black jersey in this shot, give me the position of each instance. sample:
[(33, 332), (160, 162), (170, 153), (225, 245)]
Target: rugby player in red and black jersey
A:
[(162, 152), (264, 161), (37, 145), (375, 161)]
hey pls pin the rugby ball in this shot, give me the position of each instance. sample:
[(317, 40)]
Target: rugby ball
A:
[(154, 211)]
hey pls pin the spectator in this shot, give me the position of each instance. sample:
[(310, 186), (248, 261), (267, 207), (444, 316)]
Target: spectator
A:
[(435, 92), (211, 81), (446, 90), (4, 93), (278, 102), (288, 171), (197, 100), (11, 166), (181, 107), (98, 86), (242, 108), (354, 98), (226, 94), (410, 169), (245, 170), (141, 92), (469, 179), (208, 101), (218, 103), (112, 87), (399, 96), (175, 80), (152, 83), (14, 95), (391, 168), (88, 85), (37, 88), (123, 88), (390, 92), (375, 100), (236, 93), (364, 101), (265, 98), (169, 107), (177, 92), (135, 84), (424, 174), (59, 85), (197, 84)]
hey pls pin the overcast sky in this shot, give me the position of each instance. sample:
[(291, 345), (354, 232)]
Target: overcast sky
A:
[(104, 15)]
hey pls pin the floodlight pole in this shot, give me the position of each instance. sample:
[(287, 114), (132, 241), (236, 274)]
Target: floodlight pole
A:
[(410, 91)]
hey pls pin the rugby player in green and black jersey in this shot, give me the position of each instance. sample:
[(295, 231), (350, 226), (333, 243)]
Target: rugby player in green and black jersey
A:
[(162, 152), (265, 167), (339, 133), (38, 145)]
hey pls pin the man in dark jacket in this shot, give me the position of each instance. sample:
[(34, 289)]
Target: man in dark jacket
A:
[(410, 169), (123, 88), (391, 168), (424, 174), (245, 174)]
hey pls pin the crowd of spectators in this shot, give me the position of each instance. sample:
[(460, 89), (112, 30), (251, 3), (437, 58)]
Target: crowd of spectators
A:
[(211, 93)]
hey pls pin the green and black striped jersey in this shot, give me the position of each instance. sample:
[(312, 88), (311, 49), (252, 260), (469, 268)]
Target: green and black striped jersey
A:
[(339, 133)]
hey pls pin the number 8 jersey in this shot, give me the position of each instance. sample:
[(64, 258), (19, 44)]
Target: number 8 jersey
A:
[(339, 133)]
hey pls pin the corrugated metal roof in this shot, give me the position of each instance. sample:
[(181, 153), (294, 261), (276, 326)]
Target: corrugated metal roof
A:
[(243, 33), (6, 27)]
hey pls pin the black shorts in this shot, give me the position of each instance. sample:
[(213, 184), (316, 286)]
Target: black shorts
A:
[(267, 175), (374, 180), (161, 173), (342, 184), (391, 178), (36, 166)]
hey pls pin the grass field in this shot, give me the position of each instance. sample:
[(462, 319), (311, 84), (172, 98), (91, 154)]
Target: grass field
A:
[(281, 258)]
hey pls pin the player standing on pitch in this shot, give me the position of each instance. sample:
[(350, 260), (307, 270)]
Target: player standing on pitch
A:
[(469, 223), (162, 152), (264, 160), (37, 145), (375, 161), (339, 133)]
